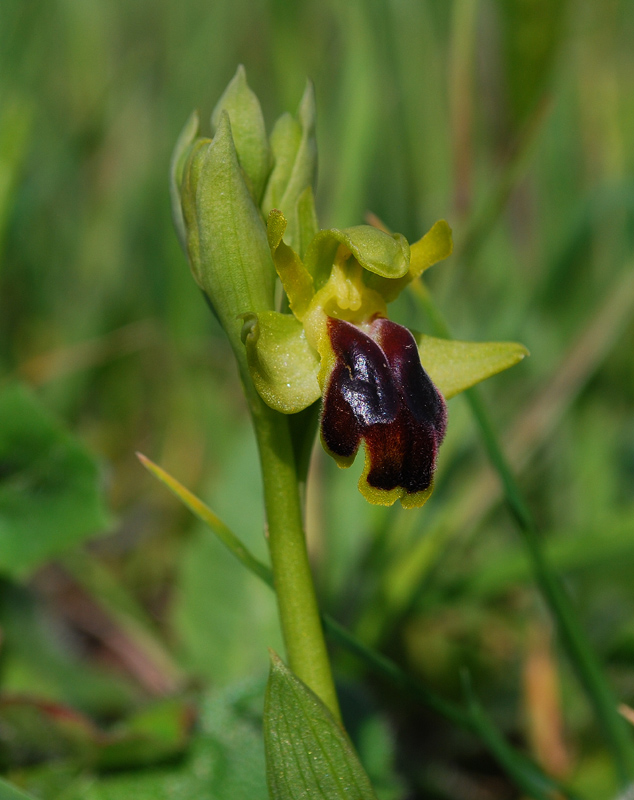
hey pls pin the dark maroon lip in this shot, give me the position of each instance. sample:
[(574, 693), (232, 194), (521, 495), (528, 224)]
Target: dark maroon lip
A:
[(379, 392)]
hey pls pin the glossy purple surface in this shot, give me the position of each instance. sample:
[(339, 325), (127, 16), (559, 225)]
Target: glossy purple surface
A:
[(378, 391)]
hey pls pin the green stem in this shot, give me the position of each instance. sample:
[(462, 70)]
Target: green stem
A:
[(297, 602), (580, 652)]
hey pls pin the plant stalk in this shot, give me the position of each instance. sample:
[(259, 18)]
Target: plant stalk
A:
[(293, 580)]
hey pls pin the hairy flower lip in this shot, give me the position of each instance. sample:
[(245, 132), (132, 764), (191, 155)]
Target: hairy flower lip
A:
[(379, 393)]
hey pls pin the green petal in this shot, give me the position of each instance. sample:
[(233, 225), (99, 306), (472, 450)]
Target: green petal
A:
[(434, 246), (283, 366), (455, 366), (249, 131), (296, 280), (295, 152), (177, 167), (285, 138), (382, 253)]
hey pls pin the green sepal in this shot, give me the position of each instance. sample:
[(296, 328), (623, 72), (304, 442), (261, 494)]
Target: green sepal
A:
[(189, 185), (382, 253), (177, 167), (295, 152), (308, 754), (249, 130), (455, 366), (236, 269), (296, 280), (282, 364), (434, 246)]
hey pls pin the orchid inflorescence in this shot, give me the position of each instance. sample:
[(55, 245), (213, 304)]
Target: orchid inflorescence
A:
[(244, 209)]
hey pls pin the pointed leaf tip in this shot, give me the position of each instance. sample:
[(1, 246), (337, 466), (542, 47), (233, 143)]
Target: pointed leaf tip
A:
[(307, 752), (204, 513), (248, 128)]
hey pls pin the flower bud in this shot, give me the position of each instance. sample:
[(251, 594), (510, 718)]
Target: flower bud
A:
[(293, 175), (248, 129), (224, 233)]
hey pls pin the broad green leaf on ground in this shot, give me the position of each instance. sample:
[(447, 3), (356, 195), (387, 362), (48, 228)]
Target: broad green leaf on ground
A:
[(32, 731), (308, 754), (50, 494), (154, 734), (225, 760)]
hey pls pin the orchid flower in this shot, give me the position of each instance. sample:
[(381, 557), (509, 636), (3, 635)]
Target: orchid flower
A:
[(380, 384)]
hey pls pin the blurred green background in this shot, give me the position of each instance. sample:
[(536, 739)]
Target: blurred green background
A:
[(512, 119)]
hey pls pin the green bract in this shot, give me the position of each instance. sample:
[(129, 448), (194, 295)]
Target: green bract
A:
[(249, 132), (221, 189)]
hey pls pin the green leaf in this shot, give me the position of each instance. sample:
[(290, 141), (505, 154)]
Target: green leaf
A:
[(206, 515), (455, 366), (152, 735), (215, 595), (308, 754), (34, 730), (249, 131), (382, 253), (50, 496), (283, 365), (224, 762)]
